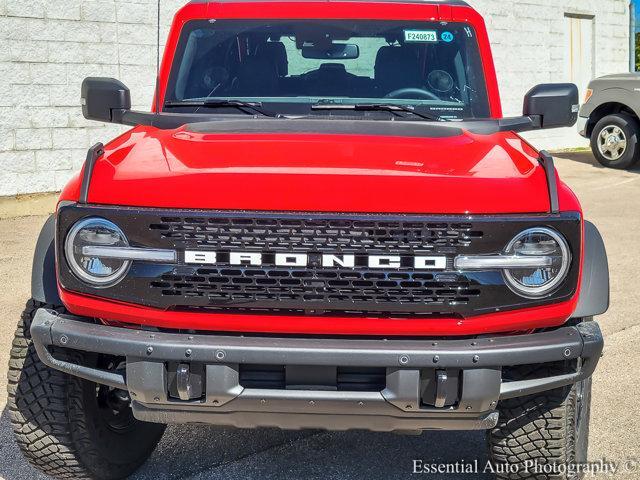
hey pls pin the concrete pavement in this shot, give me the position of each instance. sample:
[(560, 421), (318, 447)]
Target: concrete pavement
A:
[(611, 199)]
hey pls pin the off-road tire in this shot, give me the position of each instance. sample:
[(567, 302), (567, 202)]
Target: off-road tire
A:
[(550, 428), (57, 422), (631, 128)]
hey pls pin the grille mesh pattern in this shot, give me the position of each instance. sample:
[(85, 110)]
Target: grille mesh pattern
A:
[(346, 290), (321, 235), (342, 288)]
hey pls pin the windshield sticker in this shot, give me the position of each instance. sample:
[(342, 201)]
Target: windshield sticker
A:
[(447, 37), (425, 36)]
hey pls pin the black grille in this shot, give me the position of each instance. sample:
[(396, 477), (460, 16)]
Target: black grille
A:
[(322, 290), (323, 235), (328, 289), (315, 289)]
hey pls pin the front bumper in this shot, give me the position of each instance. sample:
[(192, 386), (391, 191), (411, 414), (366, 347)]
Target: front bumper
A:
[(413, 367)]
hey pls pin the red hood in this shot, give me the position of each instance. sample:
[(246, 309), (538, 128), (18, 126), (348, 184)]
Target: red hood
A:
[(458, 174)]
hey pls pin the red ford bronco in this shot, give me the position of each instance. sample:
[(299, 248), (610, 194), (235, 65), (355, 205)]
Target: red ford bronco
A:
[(324, 222)]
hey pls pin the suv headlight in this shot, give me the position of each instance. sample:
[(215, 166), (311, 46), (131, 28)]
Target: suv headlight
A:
[(538, 281), (98, 271)]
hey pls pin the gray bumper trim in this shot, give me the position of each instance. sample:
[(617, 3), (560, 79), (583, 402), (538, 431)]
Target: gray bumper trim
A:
[(297, 420), (397, 407), (50, 328)]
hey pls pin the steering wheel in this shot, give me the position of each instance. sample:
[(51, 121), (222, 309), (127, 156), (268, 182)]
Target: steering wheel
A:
[(412, 93)]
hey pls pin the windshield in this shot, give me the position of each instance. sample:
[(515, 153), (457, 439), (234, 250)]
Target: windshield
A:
[(433, 67)]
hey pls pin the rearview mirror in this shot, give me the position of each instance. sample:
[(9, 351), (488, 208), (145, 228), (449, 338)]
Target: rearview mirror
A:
[(105, 99), (334, 51), (552, 105)]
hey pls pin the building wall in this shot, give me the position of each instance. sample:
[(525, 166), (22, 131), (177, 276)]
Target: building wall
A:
[(48, 46), (529, 48)]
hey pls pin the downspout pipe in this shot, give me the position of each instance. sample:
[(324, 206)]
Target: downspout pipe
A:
[(632, 36)]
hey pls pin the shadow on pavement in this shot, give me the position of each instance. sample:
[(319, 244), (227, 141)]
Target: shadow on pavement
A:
[(203, 452), (587, 158), (198, 452)]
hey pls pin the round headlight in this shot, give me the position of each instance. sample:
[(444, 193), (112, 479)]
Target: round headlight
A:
[(97, 271), (538, 281)]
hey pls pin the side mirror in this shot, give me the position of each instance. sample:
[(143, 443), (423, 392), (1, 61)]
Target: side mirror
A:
[(105, 99), (552, 105)]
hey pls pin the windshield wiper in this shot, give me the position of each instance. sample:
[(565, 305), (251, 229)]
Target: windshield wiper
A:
[(250, 108), (371, 107)]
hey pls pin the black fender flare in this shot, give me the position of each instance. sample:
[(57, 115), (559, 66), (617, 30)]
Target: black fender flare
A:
[(44, 284), (594, 293)]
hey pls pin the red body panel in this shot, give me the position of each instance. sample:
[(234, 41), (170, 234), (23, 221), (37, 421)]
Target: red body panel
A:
[(520, 320), (475, 174), (463, 174)]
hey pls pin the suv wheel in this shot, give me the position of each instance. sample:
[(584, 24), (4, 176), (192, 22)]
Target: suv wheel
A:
[(68, 427), (614, 141), (542, 436)]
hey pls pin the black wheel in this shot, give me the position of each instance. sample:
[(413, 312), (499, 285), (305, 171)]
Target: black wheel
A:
[(542, 436), (614, 141), (68, 427)]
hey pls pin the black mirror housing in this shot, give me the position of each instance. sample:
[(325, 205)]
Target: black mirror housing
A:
[(552, 105), (105, 99), (335, 51)]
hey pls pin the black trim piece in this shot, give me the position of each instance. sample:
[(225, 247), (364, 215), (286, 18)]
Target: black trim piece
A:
[(592, 347), (162, 120), (93, 154), (492, 126), (224, 123), (594, 289), (123, 211), (50, 328), (44, 285), (331, 125), (546, 160), (518, 124), (102, 377)]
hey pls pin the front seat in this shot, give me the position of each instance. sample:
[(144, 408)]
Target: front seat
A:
[(276, 53), (257, 77), (395, 68)]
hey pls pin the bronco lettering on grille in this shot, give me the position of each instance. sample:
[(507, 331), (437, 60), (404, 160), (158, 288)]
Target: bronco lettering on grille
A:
[(315, 260)]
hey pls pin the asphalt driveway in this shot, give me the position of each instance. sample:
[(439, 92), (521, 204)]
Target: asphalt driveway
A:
[(611, 199)]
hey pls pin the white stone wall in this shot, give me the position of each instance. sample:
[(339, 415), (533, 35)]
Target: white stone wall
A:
[(48, 46)]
